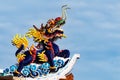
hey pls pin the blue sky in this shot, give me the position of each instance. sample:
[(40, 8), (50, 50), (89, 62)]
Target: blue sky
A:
[(92, 29)]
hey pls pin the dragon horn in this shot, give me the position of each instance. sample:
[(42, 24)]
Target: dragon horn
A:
[(36, 28), (64, 15)]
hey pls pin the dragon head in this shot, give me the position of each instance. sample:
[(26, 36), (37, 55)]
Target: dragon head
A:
[(51, 31)]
